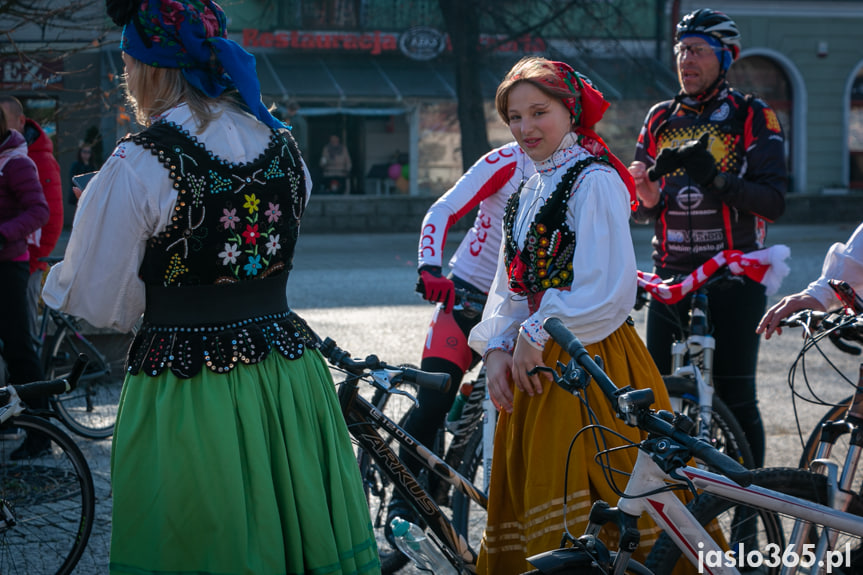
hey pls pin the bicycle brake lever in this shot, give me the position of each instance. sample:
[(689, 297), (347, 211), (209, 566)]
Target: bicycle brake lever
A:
[(572, 378), (383, 381), (397, 391), (836, 339)]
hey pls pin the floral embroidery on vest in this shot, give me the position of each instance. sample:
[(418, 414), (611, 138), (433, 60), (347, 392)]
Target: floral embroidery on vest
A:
[(236, 226), (235, 207), (545, 261)]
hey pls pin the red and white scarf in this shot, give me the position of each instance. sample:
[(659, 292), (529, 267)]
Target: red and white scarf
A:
[(765, 266)]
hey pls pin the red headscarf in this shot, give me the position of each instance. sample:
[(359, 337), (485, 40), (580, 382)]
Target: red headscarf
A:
[(587, 107)]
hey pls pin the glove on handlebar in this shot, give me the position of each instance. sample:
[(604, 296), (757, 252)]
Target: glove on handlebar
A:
[(436, 288)]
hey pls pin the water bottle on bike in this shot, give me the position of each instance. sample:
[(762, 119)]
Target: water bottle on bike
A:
[(415, 544)]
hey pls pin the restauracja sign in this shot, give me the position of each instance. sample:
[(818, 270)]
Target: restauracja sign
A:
[(421, 43)]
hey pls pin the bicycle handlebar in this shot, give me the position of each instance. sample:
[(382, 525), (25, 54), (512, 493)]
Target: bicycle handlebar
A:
[(841, 328), (37, 389), (464, 295), (343, 360), (720, 275), (633, 406)]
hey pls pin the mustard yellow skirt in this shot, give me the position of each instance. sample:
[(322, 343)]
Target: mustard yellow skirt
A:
[(525, 504)]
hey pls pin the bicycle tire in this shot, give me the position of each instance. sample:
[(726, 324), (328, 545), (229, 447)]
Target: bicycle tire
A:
[(52, 502), (706, 508), (90, 410), (633, 568), (463, 507), (377, 486), (835, 413), (726, 433)]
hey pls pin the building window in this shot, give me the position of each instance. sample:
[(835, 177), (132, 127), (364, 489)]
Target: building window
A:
[(765, 78), (332, 14)]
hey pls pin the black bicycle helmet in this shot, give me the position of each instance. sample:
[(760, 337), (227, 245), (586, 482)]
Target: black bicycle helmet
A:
[(711, 23)]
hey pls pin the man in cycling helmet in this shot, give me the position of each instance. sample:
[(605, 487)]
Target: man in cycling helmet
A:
[(710, 173)]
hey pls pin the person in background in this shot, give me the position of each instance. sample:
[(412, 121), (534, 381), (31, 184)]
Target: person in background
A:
[(710, 173), (299, 126), (83, 164), (336, 166), (23, 210), (488, 184), (40, 149), (844, 262), (566, 253), (230, 451)]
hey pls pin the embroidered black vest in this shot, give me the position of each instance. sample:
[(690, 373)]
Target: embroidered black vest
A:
[(215, 277), (545, 261)]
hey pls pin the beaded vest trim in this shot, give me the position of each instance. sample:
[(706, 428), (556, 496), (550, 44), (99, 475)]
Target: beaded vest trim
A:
[(235, 226), (185, 351), (545, 261)]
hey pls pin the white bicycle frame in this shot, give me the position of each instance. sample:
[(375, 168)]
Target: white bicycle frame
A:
[(672, 516)]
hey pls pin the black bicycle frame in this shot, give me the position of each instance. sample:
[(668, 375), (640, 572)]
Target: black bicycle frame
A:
[(363, 421)]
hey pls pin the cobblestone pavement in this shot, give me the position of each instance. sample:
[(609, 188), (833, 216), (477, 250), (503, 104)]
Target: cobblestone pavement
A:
[(358, 289)]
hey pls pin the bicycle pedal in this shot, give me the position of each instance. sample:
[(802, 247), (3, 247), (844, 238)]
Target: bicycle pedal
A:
[(11, 434)]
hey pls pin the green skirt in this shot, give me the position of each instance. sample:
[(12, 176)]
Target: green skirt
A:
[(249, 472)]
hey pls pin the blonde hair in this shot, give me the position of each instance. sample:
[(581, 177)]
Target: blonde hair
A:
[(535, 70), (151, 91)]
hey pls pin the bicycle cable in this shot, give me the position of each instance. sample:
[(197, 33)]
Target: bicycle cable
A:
[(813, 341), (604, 452)]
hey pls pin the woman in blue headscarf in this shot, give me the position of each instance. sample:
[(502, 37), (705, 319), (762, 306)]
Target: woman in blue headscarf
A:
[(230, 453)]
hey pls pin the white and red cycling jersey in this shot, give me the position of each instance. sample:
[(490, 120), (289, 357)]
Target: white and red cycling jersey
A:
[(488, 183)]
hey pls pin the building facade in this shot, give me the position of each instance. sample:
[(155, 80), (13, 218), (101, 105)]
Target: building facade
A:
[(380, 75)]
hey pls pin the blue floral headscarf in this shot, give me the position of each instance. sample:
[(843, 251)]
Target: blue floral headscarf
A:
[(192, 35)]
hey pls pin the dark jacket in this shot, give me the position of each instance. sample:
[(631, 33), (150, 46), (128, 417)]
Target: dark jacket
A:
[(692, 224), (40, 148), (23, 208)]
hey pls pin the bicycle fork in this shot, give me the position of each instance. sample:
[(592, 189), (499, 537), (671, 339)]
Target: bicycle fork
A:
[(839, 487), (698, 347)]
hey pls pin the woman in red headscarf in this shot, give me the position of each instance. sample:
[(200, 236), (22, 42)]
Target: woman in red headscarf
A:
[(567, 254)]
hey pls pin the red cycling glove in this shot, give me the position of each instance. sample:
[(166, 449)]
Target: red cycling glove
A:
[(436, 288)]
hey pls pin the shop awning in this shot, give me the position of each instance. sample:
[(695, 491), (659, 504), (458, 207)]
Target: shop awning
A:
[(360, 79), (353, 79), (382, 82)]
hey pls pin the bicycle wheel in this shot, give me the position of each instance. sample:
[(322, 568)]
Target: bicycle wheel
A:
[(468, 517), (47, 503), (751, 528), (91, 409), (376, 484), (840, 448), (725, 432), (837, 455)]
